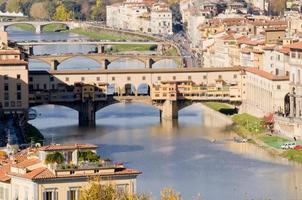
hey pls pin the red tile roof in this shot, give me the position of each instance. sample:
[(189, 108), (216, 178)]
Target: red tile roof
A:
[(296, 45), (9, 52), (13, 62), (68, 147), (3, 172), (27, 163), (266, 75)]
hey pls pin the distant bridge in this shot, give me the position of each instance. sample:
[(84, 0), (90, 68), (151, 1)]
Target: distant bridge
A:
[(38, 25), (105, 59), (169, 90)]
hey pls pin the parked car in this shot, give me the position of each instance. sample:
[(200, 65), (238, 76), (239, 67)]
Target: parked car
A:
[(289, 145)]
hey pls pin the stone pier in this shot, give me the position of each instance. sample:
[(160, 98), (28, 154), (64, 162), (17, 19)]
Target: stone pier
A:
[(87, 114), (169, 110)]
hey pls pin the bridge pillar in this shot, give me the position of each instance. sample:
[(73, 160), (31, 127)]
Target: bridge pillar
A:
[(169, 110), (38, 29), (87, 113), (100, 49), (54, 64), (2, 28), (30, 50), (105, 63), (149, 63)]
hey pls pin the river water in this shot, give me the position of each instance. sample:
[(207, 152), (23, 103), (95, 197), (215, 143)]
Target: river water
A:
[(170, 154)]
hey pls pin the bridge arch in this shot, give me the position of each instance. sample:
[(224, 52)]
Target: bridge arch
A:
[(62, 24), (36, 63), (129, 89), (20, 23), (82, 60), (126, 63), (166, 63), (143, 89)]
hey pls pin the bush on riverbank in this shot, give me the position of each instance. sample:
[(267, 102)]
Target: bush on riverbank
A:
[(246, 124), (293, 155), (222, 108)]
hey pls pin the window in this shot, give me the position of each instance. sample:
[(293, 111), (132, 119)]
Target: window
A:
[(189, 77), (18, 86), (113, 78), (73, 193), (6, 96), (6, 87), (98, 78), (19, 104), (18, 76), (121, 188), (50, 194), (128, 78), (82, 78), (5, 77), (158, 78), (204, 77), (278, 87), (12, 104), (219, 76), (235, 76), (51, 78), (19, 96), (45, 87), (31, 79), (67, 79), (293, 54), (143, 78)]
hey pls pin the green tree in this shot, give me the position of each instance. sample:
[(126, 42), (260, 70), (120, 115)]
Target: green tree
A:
[(56, 157), (98, 11), (88, 156), (62, 14)]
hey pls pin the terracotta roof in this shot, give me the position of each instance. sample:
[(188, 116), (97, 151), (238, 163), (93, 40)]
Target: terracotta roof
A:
[(67, 147), (296, 45), (9, 52), (13, 62), (3, 172), (266, 75), (284, 50), (27, 163), (246, 50)]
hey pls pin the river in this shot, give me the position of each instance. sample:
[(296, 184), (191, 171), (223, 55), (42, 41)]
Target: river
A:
[(178, 155)]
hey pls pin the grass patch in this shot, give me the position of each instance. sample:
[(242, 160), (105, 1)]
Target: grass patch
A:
[(273, 141), (293, 155), (172, 52), (222, 108), (33, 134), (133, 47), (25, 27), (245, 124), (99, 34), (217, 106), (54, 27)]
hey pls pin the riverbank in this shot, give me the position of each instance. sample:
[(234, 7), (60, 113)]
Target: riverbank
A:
[(257, 132), (33, 134)]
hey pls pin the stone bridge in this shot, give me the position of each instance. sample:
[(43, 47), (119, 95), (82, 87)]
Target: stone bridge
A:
[(93, 94), (38, 25), (106, 59)]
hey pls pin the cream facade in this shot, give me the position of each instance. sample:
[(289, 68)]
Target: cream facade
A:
[(27, 175), (143, 16), (13, 80), (265, 92)]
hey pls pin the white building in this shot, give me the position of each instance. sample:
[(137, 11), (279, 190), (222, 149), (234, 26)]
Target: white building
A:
[(144, 16)]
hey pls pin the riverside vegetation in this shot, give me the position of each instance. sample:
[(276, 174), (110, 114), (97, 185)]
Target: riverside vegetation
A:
[(257, 130)]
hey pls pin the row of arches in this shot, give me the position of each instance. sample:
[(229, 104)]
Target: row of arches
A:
[(81, 62), (40, 28), (129, 89)]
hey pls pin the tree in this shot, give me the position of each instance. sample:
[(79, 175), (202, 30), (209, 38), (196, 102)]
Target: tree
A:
[(96, 191), (13, 6), (277, 6), (98, 11), (56, 157), (38, 11), (169, 194), (62, 14)]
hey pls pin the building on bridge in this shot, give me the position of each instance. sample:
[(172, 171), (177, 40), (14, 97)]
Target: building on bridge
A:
[(30, 174), (13, 80)]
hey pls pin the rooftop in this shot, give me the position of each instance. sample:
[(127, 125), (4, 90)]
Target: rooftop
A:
[(67, 147), (265, 74)]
